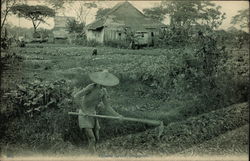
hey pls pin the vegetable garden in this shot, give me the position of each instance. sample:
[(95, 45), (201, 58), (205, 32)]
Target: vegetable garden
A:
[(170, 84)]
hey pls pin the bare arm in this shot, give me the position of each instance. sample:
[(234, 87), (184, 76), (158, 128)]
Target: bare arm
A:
[(79, 93), (108, 109), (83, 91)]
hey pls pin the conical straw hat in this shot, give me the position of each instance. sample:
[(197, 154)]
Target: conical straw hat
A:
[(104, 78)]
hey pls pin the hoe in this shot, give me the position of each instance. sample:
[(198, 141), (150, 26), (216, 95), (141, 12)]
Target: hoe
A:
[(147, 121)]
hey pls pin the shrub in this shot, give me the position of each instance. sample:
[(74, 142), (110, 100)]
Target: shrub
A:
[(93, 43), (39, 116), (117, 44)]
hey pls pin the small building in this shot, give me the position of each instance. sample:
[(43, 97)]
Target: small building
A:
[(60, 29), (122, 21)]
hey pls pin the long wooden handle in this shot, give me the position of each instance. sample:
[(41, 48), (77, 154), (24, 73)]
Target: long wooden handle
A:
[(152, 122)]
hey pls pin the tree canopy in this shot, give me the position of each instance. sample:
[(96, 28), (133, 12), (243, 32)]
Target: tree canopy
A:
[(184, 13), (242, 18), (37, 14), (101, 12), (74, 26), (56, 4), (6, 6), (157, 13)]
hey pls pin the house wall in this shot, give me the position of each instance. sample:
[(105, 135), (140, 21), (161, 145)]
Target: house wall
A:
[(152, 34), (116, 33), (96, 35), (112, 34)]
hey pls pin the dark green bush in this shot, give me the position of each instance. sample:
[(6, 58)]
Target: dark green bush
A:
[(117, 44), (81, 40)]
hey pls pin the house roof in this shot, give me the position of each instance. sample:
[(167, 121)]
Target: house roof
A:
[(125, 14)]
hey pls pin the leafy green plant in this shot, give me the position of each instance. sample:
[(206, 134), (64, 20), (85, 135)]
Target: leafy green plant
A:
[(37, 96)]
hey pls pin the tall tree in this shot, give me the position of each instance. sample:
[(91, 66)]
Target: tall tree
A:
[(37, 14), (56, 4), (242, 18), (81, 9), (6, 6), (75, 27), (186, 13), (101, 12), (157, 13)]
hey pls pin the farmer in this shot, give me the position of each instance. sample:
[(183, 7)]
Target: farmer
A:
[(91, 100)]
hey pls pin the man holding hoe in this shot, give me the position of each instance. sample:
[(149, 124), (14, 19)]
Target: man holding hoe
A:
[(92, 99)]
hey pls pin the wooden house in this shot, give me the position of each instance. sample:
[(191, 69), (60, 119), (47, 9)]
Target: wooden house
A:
[(122, 20)]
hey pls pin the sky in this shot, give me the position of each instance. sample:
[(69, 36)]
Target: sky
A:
[(229, 7)]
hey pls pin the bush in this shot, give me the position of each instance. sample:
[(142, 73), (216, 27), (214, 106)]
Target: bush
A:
[(39, 115), (234, 73), (93, 43), (117, 44), (84, 42)]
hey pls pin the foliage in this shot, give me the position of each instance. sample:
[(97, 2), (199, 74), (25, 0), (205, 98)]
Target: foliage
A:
[(117, 44), (6, 6), (187, 18), (242, 18), (236, 38), (75, 27), (84, 42), (174, 71), (82, 10), (35, 97), (40, 115), (37, 14), (56, 4), (234, 73), (186, 13), (156, 13), (183, 82), (45, 33), (101, 12), (171, 72)]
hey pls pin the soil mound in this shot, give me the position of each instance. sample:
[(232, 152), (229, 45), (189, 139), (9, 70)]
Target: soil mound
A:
[(179, 136)]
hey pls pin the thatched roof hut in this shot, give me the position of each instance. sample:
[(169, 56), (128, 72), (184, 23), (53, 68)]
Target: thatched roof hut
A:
[(123, 17)]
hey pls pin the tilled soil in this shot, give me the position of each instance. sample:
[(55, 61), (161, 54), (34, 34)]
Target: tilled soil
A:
[(232, 142), (180, 135)]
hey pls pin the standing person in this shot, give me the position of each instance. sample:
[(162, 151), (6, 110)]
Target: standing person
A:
[(88, 101)]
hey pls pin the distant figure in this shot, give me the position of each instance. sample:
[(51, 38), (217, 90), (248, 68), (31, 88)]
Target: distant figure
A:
[(94, 53), (21, 42)]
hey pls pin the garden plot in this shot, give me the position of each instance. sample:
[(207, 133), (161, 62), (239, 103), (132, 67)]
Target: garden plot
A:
[(152, 84)]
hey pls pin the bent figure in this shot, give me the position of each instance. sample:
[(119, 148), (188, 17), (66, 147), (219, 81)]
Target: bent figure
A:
[(88, 101)]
